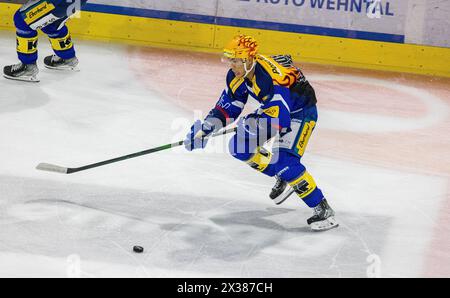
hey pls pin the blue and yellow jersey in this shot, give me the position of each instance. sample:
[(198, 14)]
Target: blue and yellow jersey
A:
[(276, 85)]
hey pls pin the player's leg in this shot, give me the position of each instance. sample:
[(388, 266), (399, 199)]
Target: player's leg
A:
[(294, 143), (285, 163), (291, 148), (64, 57), (27, 41), (304, 185), (62, 45), (247, 146)]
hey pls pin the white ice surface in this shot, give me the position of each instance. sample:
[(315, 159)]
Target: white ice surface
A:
[(197, 214)]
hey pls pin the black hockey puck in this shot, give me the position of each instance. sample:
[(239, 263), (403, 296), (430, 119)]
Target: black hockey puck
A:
[(138, 249)]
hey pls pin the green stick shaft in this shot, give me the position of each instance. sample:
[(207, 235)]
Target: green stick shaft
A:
[(63, 170)]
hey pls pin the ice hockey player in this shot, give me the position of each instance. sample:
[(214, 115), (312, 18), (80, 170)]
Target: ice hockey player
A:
[(287, 113), (50, 16)]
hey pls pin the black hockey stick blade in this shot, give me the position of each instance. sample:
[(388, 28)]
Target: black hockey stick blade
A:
[(52, 168)]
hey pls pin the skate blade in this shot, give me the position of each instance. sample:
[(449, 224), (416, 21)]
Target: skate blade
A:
[(324, 225), (65, 68), (23, 79)]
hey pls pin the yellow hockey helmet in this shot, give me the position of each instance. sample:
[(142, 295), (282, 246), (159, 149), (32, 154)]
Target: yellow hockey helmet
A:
[(241, 47)]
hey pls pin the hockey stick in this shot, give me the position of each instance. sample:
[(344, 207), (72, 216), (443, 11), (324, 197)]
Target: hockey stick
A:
[(63, 170)]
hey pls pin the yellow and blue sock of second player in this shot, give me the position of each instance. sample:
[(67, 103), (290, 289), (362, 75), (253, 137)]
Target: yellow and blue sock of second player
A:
[(27, 40), (61, 42)]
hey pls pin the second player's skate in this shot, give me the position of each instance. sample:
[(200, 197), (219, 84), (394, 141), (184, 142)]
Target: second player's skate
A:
[(57, 63), (21, 72)]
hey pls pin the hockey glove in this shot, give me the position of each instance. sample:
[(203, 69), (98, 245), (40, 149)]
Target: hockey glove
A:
[(198, 137)]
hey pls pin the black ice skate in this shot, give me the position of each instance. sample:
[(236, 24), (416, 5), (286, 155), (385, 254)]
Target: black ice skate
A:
[(21, 72), (277, 191), (57, 63), (323, 218)]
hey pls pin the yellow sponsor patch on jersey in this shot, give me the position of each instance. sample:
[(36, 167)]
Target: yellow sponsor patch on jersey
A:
[(304, 136), (273, 112), (270, 65), (281, 75), (38, 12)]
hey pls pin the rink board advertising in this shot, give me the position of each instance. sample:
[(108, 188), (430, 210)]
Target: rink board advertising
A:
[(399, 21), (321, 17), (396, 35)]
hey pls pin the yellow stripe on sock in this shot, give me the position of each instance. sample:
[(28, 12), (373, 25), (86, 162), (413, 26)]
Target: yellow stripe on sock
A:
[(305, 185), (27, 45), (62, 44)]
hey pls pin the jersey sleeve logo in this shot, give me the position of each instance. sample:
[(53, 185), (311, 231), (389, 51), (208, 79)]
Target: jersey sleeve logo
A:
[(273, 112)]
